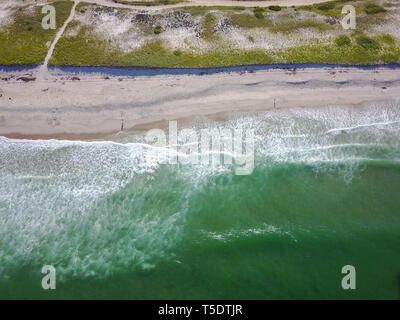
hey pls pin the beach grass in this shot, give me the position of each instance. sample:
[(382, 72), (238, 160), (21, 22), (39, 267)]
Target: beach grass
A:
[(355, 47), (208, 27), (288, 26), (95, 51), (349, 54), (248, 21), (373, 8)]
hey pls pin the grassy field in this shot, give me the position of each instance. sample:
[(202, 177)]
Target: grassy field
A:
[(24, 40), (155, 54)]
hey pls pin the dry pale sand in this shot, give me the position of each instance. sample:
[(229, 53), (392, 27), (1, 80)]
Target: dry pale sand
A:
[(56, 106)]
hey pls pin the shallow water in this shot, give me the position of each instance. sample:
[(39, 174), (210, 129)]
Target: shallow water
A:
[(149, 71), (119, 221)]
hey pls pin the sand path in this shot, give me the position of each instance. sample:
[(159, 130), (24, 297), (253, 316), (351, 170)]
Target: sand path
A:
[(282, 3), (60, 33), (42, 70)]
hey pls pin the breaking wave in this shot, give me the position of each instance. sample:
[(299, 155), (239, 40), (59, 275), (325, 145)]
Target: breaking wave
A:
[(95, 209)]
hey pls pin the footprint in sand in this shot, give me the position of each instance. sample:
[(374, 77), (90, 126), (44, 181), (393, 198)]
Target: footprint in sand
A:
[(53, 120), (3, 96)]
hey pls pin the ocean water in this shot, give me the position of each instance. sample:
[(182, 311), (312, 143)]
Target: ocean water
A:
[(118, 221)]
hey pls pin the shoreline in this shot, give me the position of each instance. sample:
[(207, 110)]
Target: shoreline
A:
[(71, 106), (154, 71)]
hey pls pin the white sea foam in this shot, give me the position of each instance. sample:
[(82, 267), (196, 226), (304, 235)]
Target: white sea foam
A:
[(96, 208), (235, 234)]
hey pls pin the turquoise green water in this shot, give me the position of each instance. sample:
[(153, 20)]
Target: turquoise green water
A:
[(117, 223)]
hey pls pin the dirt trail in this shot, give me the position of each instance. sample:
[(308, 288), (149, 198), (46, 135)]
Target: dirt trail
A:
[(58, 36)]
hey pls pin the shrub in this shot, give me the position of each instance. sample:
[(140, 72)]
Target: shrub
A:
[(389, 58), (372, 8), (247, 21), (177, 53), (208, 27), (326, 6), (387, 38), (294, 25), (368, 43), (157, 29), (342, 40), (258, 13), (251, 38), (275, 8)]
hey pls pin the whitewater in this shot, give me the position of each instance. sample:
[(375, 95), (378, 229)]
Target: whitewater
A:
[(116, 212)]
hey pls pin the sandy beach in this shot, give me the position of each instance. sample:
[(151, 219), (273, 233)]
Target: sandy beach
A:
[(88, 106)]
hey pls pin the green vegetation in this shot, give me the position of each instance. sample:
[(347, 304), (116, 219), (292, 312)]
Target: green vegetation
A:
[(275, 8), (386, 39), (24, 41), (259, 13), (293, 25), (154, 54), (343, 40), (208, 27), (353, 54), (247, 21), (177, 53), (330, 9), (147, 29), (372, 8), (368, 43), (390, 57), (325, 6), (158, 29), (85, 49)]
